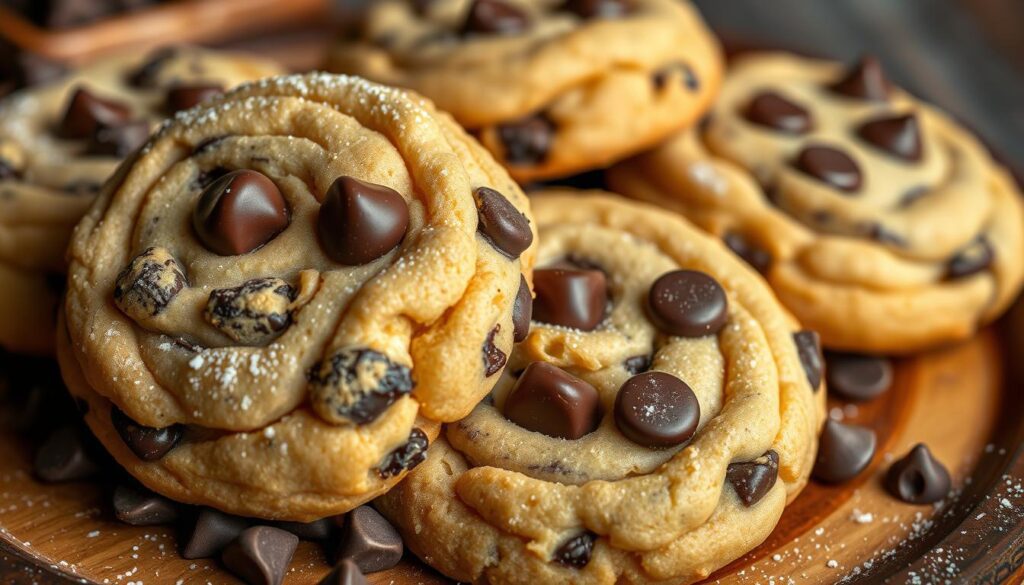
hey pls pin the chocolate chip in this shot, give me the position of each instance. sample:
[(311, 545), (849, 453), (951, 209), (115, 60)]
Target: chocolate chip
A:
[(656, 409), (754, 255), (522, 311), (370, 541), (899, 136), (346, 573), (406, 457), (118, 141), (148, 443), (857, 377), (260, 555), (753, 480), (149, 283), (494, 17), (527, 141), (147, 74), (63, 456), (913, 194), (576, 551), (359, 222), (866, 80), (975, 258), (683, 70), (808, 347), (830, 166), (252, 312), (239, 212), (637, 364), (186, 97), (884, 235), (504, 226), (844, 451), (357, 386), (7, 171), (918, 478), (687, 303), (138, 506), (598, 8), (570, 298), (494, 358), (321, 529), (773, 110), (212, 532), (549, 400), (87, 112)]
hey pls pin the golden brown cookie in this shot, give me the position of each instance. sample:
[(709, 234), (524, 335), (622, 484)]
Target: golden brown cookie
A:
[(551, 87), (651, 428), (273, 306), (879, 221)]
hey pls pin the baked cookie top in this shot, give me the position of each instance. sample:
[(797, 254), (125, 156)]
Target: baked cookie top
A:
[(293, 286), (878, 220), (552, 87), (652, 426)]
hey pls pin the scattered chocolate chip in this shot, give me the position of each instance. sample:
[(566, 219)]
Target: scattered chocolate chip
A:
[(239, 212), (346, 573), (147, 74), (494, 358), (753, 480), (918, 478), (212, 532), (252, 312), (830, 166), (808, 347), (522, 311), (527, 141), (260, 555), (899, 136), (87, 112), (866, 80), (321, 529), (549, 400), (857, 377), (576, 551), (138, 506), (504, 226), (357, 386), (656, 409), (118, 141), (844, 451), (637, 364), (570, 297), (490, 17), (754, 255), (773, 110), (598, 8), (148, 443), (370, 541), (406, 457), (973, 259), (359, 222), (63, 456), (663, 76), (687, 303), (186, 97)]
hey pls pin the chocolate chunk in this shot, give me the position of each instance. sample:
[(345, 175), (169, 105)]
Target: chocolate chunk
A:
[(494, 358), (687, 303), (63, 456), (260, 555), (504, 226), (918, 478), (522, 311), (346, 573), (656, 409), (866, 80), (148, 443), (844, 451), (752, 481), (239, 212), (549, 400), (637, 364), (683, 70), (975, 258), (140, 507), (773, 110), (899, 136), (359, 222), (321, 529), (212, 532), (489, 17), (148, 74), (149, 283), (87, 112), (253, 312), (406, 457), (370, 541), (808, 347), (118, 141), (830, 166), (598, 8), (527, 141), (570, 298), (754, 255), (576, 551), (186, 97), (357, 386), (857, 377)]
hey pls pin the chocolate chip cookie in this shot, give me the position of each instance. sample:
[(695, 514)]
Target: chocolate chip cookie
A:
[(878, 220), (652, 426), (59, 142), (272, 306), (551, 87)]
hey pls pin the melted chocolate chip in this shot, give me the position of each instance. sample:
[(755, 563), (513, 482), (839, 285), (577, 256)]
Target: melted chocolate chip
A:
[(494, 17), (186, 97), (357, 385), (866, 80), (808, 347), (773, 110), (637, 364), (522, 311), (576, 551), (239, 212), (260, 555), (830, 166), (687, 303), (359, 222), (138, 506), (754, 255), (858, 377), (118, 141), (844, 451), (370, 541), (598, 8), (147, 75), (63, 456), (975, 258), (405, 457), (148, 443), (899, 136), (87, 112), (346, 573), (494, 358), (549, 400), (527, 141), (504, 226), (918, 478), (212, 532), (656, 409), (753, 480), (570, 298)]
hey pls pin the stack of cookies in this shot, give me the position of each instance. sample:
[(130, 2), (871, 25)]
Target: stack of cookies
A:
[(319, 291)]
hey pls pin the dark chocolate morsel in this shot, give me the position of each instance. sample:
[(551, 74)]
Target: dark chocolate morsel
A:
[(844, 451), (357, 385), (656, 409), (754, 255), (576, 551), (147, 74), (149, 283), (185, 97), (147, 443), (345, 573), (527, 141), (212, 532), (260, 555), (522, 311), (975, 258), (488, 17), (359, 222), (687, 303), (773, 110), (252, 312), (239, 212), (918, 478), (370, 541), (570, 298), (883, 235), (808, 347), (87, 112), (502, 224), (118, 141), (753, 480), (63, 456), (494, 358), (683, 70), (321, 529), (899, 136), (138, 506), (857, 377), (598, 8), (549, 400), (406, 457), (831, 166), (637, 364), (866, 80)]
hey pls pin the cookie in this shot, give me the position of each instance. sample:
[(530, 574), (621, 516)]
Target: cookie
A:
[(551, 88), (272, 307), (657, 444), (879, 221), (60, 141)]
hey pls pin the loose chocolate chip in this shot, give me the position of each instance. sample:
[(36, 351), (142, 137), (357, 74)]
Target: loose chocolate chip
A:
[(576, 551), (118, 141), (918, 478), (502, 224), (753, 480), (598, 8), (489, 17), (527, 141), (138, 506), (570, 297), (637, 364), (186, 97), (321, 529), (494, 358), (773, 110), (973, 259), (830, 166), (239, 212), (346, 573), (148, 443), (212, 532), (656, 409), (7, 171), (808, 347), (360, 222), (857, 377), (866, 80), (549, 400), (260, 555), (252, 312), (147, 75), (687, 303), (406, 457), (899, 136), (844, 451), (87, 112), (63, 456), (357, 385), (683, 70), (370, 541), (522, 311), (754, 255)]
